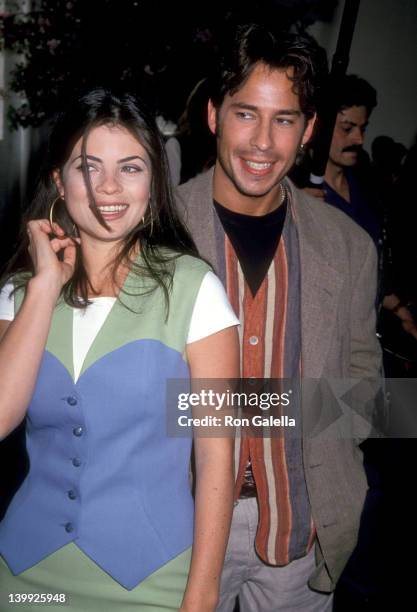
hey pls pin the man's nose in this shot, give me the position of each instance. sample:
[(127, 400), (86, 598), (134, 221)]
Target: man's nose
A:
[(358, 136), (262, 136)]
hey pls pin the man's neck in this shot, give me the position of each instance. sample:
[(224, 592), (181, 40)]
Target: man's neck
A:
[(336, 178), (228, 196)]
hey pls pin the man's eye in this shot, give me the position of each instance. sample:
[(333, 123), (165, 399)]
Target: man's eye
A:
[(244, 115), (283, 121), (346, 130)]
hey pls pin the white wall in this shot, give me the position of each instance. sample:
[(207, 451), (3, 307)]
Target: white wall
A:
[(384, 52)]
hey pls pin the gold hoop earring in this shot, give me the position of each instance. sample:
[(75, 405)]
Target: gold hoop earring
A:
[(51, 215), (51, 211)]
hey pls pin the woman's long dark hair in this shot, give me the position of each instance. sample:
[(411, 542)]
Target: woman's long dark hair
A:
[(161, 226)]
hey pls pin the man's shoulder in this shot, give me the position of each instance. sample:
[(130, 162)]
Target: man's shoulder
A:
[(197, 187), (327, 220)]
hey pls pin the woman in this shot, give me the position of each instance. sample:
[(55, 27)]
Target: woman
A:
[(110, 304)]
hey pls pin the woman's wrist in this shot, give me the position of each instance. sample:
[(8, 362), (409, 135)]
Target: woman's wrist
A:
[(201, 599), (45, 289), (200, 604)]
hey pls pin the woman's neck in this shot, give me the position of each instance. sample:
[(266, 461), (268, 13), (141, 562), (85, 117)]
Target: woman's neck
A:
[(98, 259)]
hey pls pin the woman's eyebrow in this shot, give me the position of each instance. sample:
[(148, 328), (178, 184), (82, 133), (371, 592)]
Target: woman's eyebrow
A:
[(126, 159), (119, 161), (93, 157)]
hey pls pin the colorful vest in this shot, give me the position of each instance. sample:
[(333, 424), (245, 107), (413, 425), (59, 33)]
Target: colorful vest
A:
[(101, 463)]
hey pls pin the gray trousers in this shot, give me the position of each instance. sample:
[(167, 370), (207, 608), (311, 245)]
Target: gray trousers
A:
[(261, 587)]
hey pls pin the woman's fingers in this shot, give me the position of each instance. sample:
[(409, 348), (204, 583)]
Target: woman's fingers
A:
[(57, 230), (45, 226), (70, 253), (44, 251), (58, 244)]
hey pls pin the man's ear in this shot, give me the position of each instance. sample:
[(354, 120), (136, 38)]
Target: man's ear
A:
[(212, 117), (309, 129), (56, 176)]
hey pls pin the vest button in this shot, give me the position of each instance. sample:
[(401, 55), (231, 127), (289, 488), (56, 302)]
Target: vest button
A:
[(72, 494), (77, 431), (253, 340), (76, 462), (69, 527), (72, 401)]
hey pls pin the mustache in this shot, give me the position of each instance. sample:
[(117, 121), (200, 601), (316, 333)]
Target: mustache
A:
[(353, 149)]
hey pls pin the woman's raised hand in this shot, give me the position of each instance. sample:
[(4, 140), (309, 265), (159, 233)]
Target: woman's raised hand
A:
[(54, 270)]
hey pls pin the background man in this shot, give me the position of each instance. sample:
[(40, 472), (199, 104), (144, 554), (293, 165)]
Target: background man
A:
[(302, 278), (343, 187), (350, 183)]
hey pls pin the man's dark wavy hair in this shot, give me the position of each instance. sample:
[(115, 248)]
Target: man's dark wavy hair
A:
[(253, 44), (352, 90)]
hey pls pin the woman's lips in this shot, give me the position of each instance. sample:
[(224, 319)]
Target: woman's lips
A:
[(110, 212)]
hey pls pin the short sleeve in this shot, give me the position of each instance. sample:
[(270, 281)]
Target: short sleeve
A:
[(7, 303), (212, 311)]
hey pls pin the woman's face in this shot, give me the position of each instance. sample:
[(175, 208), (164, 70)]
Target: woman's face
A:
[(120, 176)]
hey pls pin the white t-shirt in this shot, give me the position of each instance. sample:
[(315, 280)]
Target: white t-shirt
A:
[(212, 313)]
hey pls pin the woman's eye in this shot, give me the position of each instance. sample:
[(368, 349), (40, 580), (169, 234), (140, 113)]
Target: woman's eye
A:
[(88, 167), (131, 169)]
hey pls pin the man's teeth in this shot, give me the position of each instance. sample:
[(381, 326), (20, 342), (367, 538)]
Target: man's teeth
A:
[(113, 208), (258, 165)]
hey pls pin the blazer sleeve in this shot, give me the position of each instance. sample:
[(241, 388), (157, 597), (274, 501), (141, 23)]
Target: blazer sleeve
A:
[(365, 348), (366, 399)]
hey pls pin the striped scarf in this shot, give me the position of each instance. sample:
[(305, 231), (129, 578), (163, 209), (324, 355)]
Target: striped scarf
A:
[(270, 337)]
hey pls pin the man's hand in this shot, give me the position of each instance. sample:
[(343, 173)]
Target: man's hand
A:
[(401, 310)]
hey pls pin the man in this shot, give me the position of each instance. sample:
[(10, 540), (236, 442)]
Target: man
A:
[(343, 187), (350, 183), (350, 186), (302, 278)]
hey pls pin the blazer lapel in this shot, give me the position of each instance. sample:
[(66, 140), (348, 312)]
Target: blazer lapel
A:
[(201, 218), (320, 288)]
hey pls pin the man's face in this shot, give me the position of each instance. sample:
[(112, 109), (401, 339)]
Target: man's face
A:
[(259, 131), (348, 135)]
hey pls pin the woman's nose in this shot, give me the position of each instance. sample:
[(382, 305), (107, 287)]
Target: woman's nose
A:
[(108, 183)]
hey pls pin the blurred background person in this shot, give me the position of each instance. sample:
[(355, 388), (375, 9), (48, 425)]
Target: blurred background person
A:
[(193, 148)]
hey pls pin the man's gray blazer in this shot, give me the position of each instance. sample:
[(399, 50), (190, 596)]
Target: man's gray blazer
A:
[(338, 287)]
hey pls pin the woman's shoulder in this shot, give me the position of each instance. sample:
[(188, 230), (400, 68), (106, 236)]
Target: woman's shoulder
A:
[(7, 302), (190, 263), (184, 263), (190, 271), (12, 290)]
